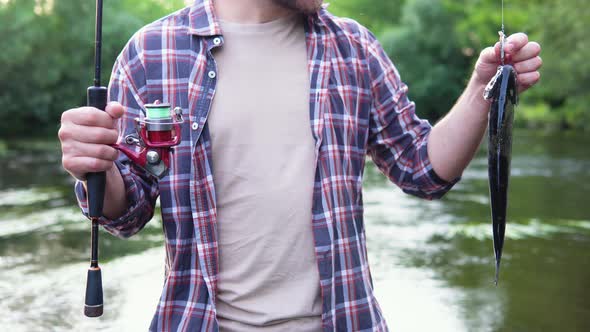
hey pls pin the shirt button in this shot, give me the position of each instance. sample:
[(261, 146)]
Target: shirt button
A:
[(217, 41), (212, 74), (195, 126)]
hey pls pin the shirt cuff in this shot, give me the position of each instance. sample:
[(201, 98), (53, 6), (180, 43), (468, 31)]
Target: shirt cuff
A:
[(444, 185), (436, 186)]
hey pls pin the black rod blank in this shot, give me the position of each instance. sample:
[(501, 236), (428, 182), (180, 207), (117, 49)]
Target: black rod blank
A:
[(95, 184), (98, 43)]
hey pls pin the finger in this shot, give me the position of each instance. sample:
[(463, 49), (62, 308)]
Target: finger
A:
[(497, 49), (489, 56), (83, 165), (88, 116), (529, 51), (86, 134), (527, 80), (529, 65), (115, 110), (516, 41), (100, 151)]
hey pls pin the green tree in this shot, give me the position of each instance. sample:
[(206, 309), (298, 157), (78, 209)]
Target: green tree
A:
[(47, 58), (477, 21), (566, 81), (375, 15), (425, 49)]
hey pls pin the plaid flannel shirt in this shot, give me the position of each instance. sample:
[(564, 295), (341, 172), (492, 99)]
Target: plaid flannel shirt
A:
[(357, 105)]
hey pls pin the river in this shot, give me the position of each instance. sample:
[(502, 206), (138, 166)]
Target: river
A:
[(432, 262)]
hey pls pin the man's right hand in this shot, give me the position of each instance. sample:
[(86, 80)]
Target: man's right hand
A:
[(86, 134)]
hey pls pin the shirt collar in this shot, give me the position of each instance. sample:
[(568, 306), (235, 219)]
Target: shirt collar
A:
[(203, 20)]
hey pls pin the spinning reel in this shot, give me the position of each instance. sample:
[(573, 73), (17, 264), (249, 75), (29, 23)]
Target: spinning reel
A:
[(155, 135)]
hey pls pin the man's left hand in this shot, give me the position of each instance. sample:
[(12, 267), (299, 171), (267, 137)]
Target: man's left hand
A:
[(520, 53)]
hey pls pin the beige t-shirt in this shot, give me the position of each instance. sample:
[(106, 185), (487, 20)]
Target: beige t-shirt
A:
[(263, 171)]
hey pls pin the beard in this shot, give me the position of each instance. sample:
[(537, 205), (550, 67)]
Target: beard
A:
[(304, 6)]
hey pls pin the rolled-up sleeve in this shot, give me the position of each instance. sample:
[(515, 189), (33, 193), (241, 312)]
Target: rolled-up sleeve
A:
[(127, 86), (398, 139)]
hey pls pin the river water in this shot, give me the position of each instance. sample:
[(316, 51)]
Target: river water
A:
[(432, 262)]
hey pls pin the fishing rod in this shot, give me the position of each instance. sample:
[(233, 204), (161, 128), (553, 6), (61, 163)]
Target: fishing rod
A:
[(95, 183), (151, 144)]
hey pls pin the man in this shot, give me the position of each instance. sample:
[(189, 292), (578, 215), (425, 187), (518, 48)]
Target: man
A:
[(262, 206)]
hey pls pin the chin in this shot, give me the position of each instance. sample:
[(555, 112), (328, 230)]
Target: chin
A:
[(309, 6), (304, 6)]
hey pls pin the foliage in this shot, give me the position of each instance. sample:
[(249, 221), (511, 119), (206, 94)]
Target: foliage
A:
[(47, 58), (536, 115), (375, 15), (478, 21), (563, 25), (428, 56)]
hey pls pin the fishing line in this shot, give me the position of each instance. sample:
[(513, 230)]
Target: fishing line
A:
[(502, 15)]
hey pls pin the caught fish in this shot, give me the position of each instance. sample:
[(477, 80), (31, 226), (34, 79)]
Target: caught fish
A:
[(503, 93)]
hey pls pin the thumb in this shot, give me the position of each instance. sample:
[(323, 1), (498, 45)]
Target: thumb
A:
[(490, 55), (115, 110)]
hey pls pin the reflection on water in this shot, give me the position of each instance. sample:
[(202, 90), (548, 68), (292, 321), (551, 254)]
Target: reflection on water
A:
[(432, 262)]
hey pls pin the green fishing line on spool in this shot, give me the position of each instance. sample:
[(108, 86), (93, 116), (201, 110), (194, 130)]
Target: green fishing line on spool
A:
[(158, 112)]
